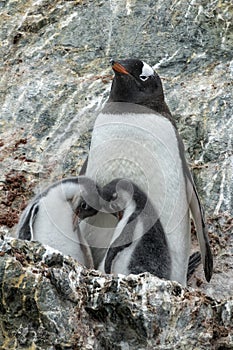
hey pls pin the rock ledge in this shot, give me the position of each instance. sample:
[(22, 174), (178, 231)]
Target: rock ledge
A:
[(51, 302)]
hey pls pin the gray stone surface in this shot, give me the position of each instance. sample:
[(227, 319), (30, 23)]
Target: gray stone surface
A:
[(50, 302), (54, 58), (55, 77)]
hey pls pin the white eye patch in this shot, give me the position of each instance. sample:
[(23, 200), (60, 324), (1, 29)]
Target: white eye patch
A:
[(147, 71)]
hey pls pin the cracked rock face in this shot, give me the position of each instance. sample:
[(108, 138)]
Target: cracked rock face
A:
[(55, 78), (51, 302)]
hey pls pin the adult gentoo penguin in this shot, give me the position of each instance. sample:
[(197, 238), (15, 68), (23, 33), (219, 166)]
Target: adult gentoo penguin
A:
[(139, 243), (135, 137), (51, 217)]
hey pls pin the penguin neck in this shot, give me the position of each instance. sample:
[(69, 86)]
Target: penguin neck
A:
[(155, 105), (140, 201), (128, 216), (137, 209), (122, 237), (160, 107)]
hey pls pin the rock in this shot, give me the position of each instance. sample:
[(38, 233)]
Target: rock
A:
[(55, 77), (51, 302)]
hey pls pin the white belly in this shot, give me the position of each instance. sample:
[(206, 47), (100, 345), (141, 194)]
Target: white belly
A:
[(144, 148), (53, 226), (98, 231)]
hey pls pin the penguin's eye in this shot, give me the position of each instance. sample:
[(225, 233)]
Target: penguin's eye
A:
[(143, 77), (84, 205), (114, 206)]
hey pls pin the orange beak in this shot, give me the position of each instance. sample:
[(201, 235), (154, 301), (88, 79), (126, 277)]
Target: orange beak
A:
[(117, 67)]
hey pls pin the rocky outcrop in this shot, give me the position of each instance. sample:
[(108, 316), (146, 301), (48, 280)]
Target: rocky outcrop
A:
[(51, 302), (55, 77)]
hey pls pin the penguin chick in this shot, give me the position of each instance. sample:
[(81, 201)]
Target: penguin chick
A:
[(138, 243), (50, 217), (84, 211)]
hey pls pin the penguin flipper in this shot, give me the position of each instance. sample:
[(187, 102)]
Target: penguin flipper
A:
[(25, 226), (202, 234), (84, 167), (197, 214)]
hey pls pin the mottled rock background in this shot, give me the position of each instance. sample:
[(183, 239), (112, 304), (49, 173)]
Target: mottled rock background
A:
[(55, 77), (49, 302)]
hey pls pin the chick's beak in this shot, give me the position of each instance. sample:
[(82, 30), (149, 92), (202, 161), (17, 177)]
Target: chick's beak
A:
[(117, 67), (76, 220), (120, 215)]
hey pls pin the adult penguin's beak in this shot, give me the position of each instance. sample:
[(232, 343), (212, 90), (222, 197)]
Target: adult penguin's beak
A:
[(117, 67)]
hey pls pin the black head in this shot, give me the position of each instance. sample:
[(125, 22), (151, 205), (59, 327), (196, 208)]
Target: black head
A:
[(120, 194), (136, 82), (84, 210), (112, 198), (86, 203)]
